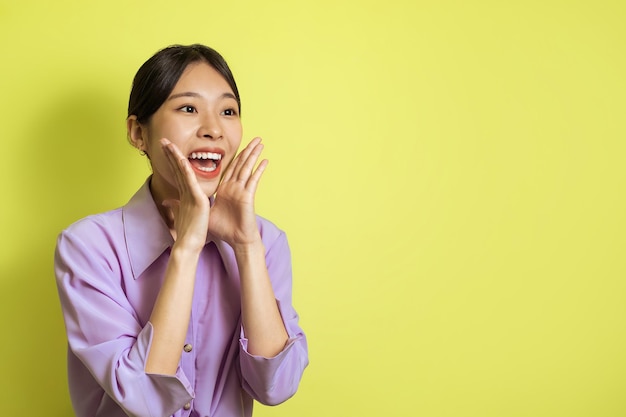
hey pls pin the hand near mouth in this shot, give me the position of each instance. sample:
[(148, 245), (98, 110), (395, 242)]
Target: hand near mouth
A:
[(232, 218), (188, 217)]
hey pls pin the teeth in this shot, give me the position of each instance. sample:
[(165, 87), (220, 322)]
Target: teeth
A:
[(206, 155), (207, 169)]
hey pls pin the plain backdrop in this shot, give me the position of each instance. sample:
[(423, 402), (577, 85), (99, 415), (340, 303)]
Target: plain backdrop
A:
[(450, 175)]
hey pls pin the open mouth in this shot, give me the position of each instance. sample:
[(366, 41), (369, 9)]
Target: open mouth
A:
[(206, 162)]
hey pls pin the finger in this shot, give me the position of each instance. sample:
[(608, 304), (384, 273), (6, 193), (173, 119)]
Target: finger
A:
[(240, 159), (239, 171), (169, 149), (253, 182), (228, 173), (248, 165), (185, 177)]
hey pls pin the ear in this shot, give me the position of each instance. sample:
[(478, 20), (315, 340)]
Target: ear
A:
[(136, 132)]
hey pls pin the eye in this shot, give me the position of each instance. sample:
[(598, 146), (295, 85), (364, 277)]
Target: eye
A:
[(230, 112), (187, 109)]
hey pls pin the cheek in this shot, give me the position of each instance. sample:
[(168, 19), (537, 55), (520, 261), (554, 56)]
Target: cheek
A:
[(236, 134), (174, 130), (156, 154)]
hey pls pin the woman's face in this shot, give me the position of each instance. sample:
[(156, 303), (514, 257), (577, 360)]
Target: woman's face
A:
[(201, 117)]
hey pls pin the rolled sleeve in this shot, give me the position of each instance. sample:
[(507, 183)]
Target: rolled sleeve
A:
[(105, 334), (273, 380)]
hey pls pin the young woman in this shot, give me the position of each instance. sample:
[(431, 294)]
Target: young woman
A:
[(179, 303)]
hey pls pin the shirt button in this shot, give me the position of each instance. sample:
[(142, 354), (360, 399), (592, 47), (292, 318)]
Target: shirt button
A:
[(187, 406), (187, 348)]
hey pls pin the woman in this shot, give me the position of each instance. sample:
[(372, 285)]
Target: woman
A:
[(179, 303)]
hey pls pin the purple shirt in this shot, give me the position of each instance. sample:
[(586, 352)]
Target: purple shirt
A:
[(109, 270)]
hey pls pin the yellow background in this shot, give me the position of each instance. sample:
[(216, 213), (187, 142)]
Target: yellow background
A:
[(450, 174)]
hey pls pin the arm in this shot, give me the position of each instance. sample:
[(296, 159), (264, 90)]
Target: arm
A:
[(272, 380), (274, 352), (172, 309), (261, 319), (105, 333), (137, 366), (233, 220), (171, 312)]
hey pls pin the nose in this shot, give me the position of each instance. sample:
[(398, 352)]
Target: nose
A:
[(210, 128)]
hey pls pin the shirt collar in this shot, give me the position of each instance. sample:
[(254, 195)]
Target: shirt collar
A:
[(146, 234)]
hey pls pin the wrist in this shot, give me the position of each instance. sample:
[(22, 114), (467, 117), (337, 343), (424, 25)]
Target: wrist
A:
[(185, 250), (249, 248)]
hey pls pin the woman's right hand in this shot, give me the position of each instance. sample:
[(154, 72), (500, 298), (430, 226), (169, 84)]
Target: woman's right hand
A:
[(188, 220), (189, 214)]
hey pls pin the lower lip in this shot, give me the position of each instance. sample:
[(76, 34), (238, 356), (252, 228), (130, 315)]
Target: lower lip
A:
[(207, 175)]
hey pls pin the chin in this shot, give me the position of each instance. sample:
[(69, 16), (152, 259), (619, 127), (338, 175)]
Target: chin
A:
[(209, 188)]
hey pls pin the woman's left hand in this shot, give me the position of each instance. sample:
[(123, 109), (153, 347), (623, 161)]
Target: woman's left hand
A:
[(232, 218)]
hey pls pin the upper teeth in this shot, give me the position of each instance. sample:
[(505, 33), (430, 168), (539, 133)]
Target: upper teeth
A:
[(206, 155)]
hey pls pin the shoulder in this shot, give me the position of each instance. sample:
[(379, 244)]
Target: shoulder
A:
[(97, 225), (277, 251), (92, 248), (99, 236), (270, 233), (110, 224)]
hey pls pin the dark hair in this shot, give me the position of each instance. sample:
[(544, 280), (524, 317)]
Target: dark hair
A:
[(157, 77)]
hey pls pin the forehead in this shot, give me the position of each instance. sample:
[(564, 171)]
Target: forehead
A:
[(201, 77)]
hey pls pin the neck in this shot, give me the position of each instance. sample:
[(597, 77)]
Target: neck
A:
[(162, 191)]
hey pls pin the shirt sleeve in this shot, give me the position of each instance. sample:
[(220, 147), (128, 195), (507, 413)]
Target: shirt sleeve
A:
[(272, 381), (104, 331)]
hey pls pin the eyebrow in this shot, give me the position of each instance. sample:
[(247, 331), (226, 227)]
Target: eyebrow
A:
[(196, 95)]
